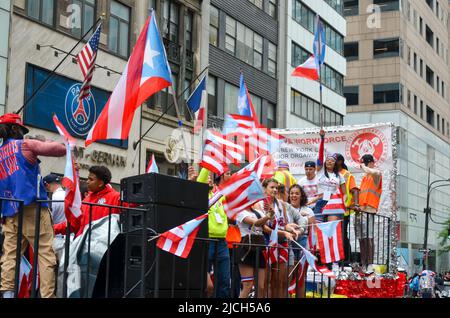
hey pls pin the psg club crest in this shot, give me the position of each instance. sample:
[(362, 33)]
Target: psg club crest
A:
[(369, 141), (80, 117)]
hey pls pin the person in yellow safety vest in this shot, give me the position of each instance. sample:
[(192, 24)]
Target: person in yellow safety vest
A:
[(351, 203), (283, 176), (217, 229), (369, 200)]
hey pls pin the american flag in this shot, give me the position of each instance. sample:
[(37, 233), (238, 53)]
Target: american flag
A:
[(86, 61)]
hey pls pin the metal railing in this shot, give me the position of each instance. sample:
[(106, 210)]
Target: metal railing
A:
[(133, 266)]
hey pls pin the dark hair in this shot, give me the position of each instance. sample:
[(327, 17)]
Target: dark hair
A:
[(341, 158), (102, 173), (303, 197), (335, 170), (366, 159), (83, 187), (281, 188), (6, 131), (266, 182)]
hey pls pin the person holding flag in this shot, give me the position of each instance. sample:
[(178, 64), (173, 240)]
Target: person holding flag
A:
[(330, 184), (22, 181)]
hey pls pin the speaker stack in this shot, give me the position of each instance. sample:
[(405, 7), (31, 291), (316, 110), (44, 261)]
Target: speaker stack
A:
[(168, 202)]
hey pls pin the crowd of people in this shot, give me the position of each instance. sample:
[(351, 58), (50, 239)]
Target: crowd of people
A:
[(294, 206), (291, 206), (425, 284)]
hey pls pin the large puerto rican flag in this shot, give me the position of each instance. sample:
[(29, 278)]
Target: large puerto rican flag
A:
[(180, 239), (330, 241), (245, 105), (72, 200), (146, 73), (308, 69)]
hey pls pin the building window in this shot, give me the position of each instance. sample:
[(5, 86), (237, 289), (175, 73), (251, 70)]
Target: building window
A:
[(437, 46), (415, 104), (430, 116), (351, 7), (119, 28), (213, 26), (437, 84), (415, 62), (257, 103), (272, 8), (329, 77), (421, 68), (351, 93), (351, 51), (249, 46), (336, 5), (438, 121), (421, 109), (230, 99), (170, 21), (271, 115), (230, 37), (386, 93), (212, 94), (421, 25), (307, 18), (42, 10), (387, 5), (272, 62), (443, 127), (442, 90), (429, 35), (309, 110), (386, 48), (430, 4), (188, 27), (87, 17), (430, 77), (258, 3), (408, 99)]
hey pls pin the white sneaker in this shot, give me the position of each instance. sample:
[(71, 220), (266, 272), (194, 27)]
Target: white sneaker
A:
[(8, 294)]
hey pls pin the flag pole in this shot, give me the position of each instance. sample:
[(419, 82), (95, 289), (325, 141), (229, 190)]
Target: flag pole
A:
[(136, 143), (53, 72), (322, 113)]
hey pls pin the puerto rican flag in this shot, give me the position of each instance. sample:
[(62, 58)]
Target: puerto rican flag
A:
[(146, 73), (152, 167), (265, 141), (197, 104), (276, 252), (335, 205), (24, 278), (312, 238), (312, 261), (180, 239), (72, 200), (308, 69), (219, 152), (238, 125), (319, 44), (298, 278), (241, 191), (330, 241), (263, 166), (245, 105)]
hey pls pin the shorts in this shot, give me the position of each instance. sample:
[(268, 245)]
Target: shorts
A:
[(364, 225), (247, 256)]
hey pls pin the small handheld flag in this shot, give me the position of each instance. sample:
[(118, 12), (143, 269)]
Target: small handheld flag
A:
[(152, 167)]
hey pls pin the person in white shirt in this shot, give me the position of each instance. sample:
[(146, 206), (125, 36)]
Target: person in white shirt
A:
[(52, 184), (329, 182), (309, 184)]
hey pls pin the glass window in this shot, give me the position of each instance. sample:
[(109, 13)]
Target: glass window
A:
[(87, 8), (304, 107), (430, 116), (351, 7), (42, 10), (257, 103), (272, 63), (336, 5), (415, 104), (351, 93), (258, 3), (271, 115), (430, 76), (231, 99), (386, 48), (258, 51), (213, 26), (429, 35), (386, 93), (387, 5), (351, 51), (272, 8), (188, 27), (212, 96), (170, 21), (119, 29), (230, 37)]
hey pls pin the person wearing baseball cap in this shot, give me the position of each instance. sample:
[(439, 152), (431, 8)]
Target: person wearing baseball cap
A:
[(52, 183), (369, 200), (309, 184), (283, 175), (20, 179)]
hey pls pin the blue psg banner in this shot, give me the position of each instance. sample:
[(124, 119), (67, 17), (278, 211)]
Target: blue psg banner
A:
[(60, 96)]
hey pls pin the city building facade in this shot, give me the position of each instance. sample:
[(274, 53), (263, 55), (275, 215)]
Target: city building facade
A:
[(5, 21), (299, 97), (397, 71)]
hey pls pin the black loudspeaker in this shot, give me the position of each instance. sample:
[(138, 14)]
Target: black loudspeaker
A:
[(167, 190), (169, 202)]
